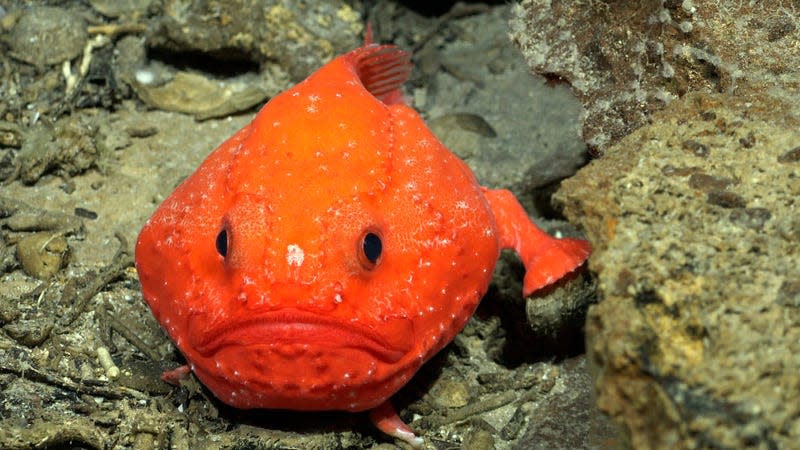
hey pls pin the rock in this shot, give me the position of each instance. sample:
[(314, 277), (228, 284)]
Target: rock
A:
[(298, 37), (690, 211), (571, 421), (239, 53), (121, 8), (478, 439), (67, 147), (562, 312), (626, 60), (7, 261), (10, 134), (202, 96), (20, 216), (513, 129), (696, 339), (42, 255), (450, 393), (48, 35)]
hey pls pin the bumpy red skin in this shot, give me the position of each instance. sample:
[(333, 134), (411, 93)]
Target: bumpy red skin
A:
[(294, 317)]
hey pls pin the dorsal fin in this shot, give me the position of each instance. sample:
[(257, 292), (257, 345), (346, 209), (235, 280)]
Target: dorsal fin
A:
[(383, 69), (368, 34)]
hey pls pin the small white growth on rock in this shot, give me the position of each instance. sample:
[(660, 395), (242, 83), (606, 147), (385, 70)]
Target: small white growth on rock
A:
[(144, 76)]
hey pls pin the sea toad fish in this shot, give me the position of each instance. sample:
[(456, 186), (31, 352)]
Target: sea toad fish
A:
[(324, 252)]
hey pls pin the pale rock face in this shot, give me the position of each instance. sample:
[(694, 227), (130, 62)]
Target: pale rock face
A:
[(695, 222)]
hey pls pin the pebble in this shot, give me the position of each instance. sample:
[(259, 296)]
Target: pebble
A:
[(450, 393), (42, 255), (48, 35)]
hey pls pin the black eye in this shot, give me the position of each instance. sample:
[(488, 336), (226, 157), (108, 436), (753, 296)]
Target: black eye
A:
[(222, 243), (371, 248)]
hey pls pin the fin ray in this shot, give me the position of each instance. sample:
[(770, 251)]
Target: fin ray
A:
[(382, 70)]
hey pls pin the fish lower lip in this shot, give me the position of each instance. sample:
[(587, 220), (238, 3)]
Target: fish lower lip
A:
[(305, 328)]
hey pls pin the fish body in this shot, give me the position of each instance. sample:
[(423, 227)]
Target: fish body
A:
[(323, 253)]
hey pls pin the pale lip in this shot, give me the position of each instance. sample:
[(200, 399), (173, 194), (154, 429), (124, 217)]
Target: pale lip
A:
[(293, 326)]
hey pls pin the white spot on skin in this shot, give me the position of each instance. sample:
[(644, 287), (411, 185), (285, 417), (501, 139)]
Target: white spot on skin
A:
[(294, 255), (441, 241)]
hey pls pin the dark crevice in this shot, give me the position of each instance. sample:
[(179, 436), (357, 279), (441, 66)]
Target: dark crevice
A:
[(435, 9), (222, 64)]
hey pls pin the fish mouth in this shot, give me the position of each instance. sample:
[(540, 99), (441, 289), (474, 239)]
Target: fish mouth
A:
[(316, 331)]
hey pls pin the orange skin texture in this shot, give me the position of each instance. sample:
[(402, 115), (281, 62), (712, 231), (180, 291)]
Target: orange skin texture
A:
[(293, 316)]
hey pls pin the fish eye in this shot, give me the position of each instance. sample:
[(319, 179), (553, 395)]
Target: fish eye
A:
[(222, 243), (371, 249)]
